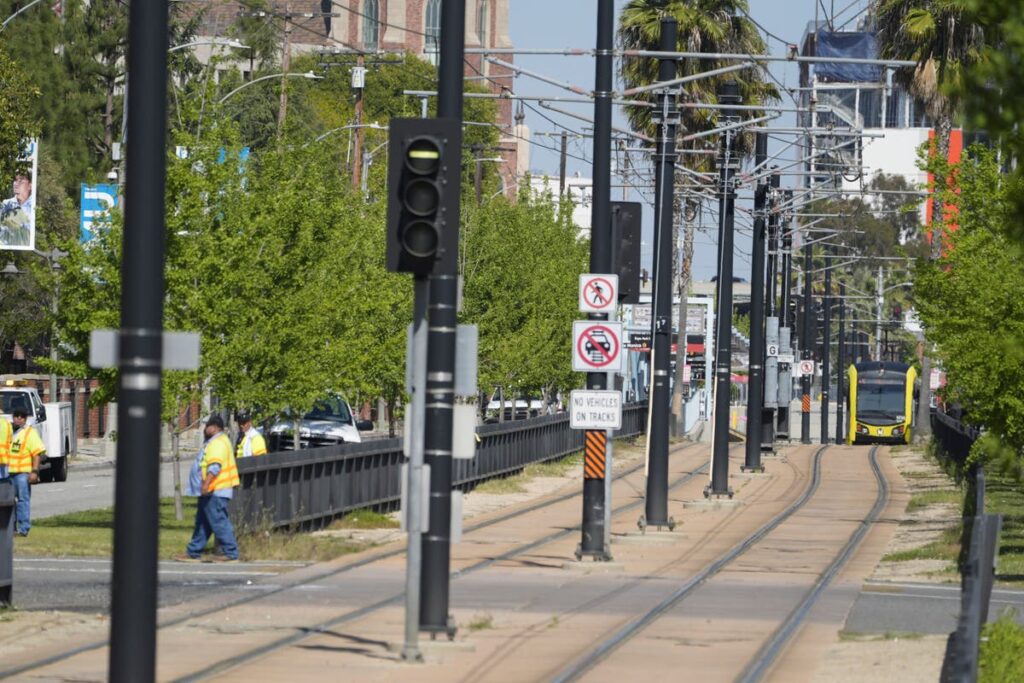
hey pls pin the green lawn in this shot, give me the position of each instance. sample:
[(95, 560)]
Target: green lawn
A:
[(1005, 496), (90, 534)]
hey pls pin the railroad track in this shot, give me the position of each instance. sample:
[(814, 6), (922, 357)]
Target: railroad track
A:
[(367, 609), (768, 653)]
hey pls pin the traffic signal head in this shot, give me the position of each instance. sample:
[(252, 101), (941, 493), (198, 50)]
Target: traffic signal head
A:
[(626, 249), (424, 158)]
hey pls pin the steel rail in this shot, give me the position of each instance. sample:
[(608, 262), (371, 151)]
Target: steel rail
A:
[(586, 663), (326, 626), (195, 614), (773, 647)]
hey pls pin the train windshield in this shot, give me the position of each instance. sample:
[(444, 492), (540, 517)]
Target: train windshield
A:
[(877, 397)]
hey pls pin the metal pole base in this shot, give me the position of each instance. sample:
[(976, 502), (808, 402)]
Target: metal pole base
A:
[(449, 629), (601, 555), (758, 469), (643, 523), (709, 493), (412, 655)]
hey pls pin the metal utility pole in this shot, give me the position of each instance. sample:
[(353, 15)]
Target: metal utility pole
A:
[(561, 164), (440, 383), (595, 454), (358, 75), (656, 508), (771, 333), (286, 64), (826, 349), (785, 394), (807, 341), (478, 173), (879, 303), (730, 94), (140, 350), (755, 381), (841, 367)]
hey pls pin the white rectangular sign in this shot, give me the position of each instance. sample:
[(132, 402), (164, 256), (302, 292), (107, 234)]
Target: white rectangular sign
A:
[(595, 409), (597, 346), (598, 293), (786, 358), (806, 367)]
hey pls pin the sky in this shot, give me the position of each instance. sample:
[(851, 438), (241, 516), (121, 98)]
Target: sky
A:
[(573, 23)]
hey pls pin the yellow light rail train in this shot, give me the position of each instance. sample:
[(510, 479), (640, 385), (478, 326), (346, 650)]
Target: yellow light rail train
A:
[(881, 402)]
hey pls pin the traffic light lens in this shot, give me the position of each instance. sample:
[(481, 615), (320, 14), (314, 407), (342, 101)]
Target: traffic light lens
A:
[(421, 197), (420, 239), (423, 156)]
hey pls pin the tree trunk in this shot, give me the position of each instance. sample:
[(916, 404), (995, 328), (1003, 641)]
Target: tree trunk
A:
[(678, 421), (296, 438), (179, 508), (501, 404), (391, 418)]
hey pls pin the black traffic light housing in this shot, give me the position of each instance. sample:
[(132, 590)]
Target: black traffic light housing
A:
[(626, 249), (424, 158)]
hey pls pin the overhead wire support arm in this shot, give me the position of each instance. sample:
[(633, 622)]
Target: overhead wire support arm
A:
[(516, 69)]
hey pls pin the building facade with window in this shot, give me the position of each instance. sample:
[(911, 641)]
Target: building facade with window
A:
[(392, 27)]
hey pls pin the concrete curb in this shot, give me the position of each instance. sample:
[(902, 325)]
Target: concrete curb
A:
[(86, 466)]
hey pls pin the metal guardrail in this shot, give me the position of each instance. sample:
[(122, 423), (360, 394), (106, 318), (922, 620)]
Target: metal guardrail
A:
[(6, 543), (311, 487), (978, 570)]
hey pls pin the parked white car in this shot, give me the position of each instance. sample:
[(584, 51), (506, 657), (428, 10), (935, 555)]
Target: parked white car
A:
[(330, 421)]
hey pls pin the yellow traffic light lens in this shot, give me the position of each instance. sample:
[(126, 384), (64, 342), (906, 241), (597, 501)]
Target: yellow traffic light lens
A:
[(423, 156), (420, 238), (421, 197)]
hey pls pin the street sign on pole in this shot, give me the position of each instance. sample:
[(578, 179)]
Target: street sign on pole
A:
[(595, 409), (598, 293), (806, 368), (597, 346), (772, 350)]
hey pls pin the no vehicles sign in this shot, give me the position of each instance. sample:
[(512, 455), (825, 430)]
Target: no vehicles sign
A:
[(598, 293), (597, 346), (595, 409)]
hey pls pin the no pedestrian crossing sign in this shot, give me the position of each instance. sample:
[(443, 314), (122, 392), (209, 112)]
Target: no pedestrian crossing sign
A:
[(598, 293), (595, 409), (597, 346), (806, 367)]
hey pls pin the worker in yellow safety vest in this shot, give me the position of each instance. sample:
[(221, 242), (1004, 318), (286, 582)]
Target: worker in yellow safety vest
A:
[(213, 479), (23, 465), (6, 434), (250, 441)]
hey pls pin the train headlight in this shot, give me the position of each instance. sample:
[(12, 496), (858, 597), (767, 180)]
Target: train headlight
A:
[(897, 431), (861, 429)]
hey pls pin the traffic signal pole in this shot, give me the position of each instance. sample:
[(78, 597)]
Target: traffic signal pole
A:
[(140, 349), (441, 329), (807, 340), (593, 543), (719, 485), (755, 381), (656, 503)]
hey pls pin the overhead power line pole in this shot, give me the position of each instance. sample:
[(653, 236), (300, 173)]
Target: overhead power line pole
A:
[(806, 344), (826, 349), (656, 507), (595, 455), (440, 384), (841, 367), (755, 382), (140, 350), (719, 486), (782, 425), (286, 65)]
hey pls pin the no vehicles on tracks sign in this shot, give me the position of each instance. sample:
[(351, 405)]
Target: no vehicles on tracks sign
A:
[(597, 346), (595, 409)]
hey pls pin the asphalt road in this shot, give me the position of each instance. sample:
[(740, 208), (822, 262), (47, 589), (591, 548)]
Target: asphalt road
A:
[(919, 608), (83, 585), (90, 488)]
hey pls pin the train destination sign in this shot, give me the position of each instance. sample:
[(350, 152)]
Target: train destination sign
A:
[(595, 409)]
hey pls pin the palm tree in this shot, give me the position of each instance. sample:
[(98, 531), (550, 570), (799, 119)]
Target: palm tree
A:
[(704, 26), (944, 41)]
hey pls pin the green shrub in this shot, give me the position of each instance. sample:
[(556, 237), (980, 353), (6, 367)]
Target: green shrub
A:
[(1002, 651)]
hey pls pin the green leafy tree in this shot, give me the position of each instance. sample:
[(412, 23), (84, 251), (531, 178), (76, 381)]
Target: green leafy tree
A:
[(972, 301)]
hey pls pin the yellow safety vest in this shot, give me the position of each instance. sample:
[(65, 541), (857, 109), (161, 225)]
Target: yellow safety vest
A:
[(218, 450), (252, 443), (25, 445), (6, 434)]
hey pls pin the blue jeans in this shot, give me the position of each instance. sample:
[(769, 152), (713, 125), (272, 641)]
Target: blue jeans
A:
[(212, 518), (23, 510)]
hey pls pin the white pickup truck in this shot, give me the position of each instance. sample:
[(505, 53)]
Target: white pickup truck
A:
[(55, 422)]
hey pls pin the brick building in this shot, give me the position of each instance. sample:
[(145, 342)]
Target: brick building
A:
[(392, 26)]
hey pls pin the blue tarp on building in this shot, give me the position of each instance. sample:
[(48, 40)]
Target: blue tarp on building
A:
[(858, 45)]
